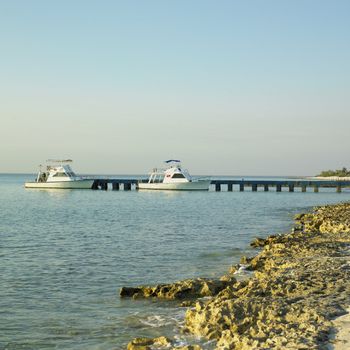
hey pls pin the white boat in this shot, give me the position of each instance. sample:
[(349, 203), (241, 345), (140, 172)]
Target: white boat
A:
[(174, 177), (59, 175)]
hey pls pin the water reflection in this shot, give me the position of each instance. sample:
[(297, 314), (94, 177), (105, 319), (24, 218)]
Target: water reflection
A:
[(52, 192)]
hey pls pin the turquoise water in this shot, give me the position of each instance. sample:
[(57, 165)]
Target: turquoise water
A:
[(65, 254)]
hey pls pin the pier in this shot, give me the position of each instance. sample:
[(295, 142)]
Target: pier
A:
[(241, 185)]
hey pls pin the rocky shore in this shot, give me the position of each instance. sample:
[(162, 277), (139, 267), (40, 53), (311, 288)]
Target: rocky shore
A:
[(300, 283)]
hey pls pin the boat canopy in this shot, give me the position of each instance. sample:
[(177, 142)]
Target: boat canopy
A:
[(59, 161), (172, 161)]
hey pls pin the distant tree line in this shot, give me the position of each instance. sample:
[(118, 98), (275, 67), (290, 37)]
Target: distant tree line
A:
[(340, 172)]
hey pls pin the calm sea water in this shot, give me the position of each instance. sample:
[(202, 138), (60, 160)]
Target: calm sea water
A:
[(64, 254)]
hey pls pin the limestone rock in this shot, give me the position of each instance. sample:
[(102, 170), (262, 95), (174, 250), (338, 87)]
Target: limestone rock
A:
[(187, 289), (149, 343), (258, 242), (299, 284)]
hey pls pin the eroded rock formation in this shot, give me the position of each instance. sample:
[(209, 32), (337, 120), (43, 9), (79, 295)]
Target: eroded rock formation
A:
[(187, 289), (301, 281)]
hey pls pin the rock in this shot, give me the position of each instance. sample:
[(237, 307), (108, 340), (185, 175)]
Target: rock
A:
[(298, 284), (298, 217), (149, 343), (128, 291), (157, 343), (233, 269), (245, 260), (258, 242), (188, 303), (187, 289)]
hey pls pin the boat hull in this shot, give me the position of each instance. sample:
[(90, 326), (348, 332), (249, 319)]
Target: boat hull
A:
[(77, 184), (181, 186)]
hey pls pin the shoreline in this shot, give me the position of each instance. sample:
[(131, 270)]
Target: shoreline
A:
[(300, 284)]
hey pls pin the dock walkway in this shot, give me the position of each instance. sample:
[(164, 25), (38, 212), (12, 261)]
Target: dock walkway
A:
[(242, 184)]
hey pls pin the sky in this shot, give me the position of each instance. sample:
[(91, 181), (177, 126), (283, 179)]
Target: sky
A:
[(254, 87)]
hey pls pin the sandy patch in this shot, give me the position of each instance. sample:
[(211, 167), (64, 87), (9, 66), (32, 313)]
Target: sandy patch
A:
[(342, 337)]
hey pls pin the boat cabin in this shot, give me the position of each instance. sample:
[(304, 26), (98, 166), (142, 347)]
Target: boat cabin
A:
[(55, 173), (173, 174)]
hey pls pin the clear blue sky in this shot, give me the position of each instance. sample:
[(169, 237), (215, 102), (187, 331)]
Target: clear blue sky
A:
[(230, 87)]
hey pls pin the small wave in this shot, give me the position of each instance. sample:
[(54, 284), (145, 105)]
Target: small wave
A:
[(242, 268), (243, 271), (156, 321), (173, 319), (183, 340)]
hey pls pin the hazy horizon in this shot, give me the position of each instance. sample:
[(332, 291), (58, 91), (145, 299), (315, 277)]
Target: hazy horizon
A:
[(229, 87), (146, 173)]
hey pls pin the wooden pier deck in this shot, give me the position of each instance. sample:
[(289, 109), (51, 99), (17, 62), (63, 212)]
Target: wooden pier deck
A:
[(228, 185)]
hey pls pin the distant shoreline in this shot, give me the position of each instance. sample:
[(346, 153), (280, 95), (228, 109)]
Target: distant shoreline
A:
[(332, 178)]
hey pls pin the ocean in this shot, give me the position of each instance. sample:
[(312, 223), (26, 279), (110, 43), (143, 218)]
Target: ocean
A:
[(64, 255)]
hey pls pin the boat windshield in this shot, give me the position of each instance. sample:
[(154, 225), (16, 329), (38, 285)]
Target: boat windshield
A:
[(60, 174), (178, 176)]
